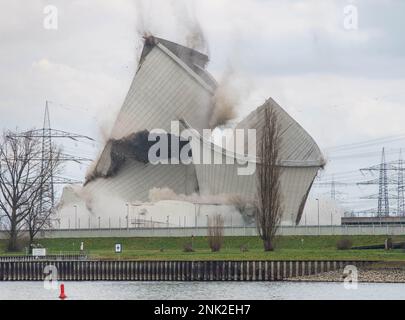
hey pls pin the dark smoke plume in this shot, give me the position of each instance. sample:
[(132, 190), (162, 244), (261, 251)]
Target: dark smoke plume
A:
[(135, 146)]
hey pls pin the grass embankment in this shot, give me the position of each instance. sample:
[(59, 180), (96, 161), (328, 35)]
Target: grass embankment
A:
[(287, 248)]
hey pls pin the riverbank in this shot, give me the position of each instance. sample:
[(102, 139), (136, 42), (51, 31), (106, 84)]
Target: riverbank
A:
[(380, 272), (233, 249)]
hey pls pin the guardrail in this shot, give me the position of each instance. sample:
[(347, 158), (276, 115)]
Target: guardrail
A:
[(52, 257)]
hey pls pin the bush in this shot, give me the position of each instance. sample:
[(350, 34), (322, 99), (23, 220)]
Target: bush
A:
[(344, 244), (388, 244), (244, 248), (188, 247)]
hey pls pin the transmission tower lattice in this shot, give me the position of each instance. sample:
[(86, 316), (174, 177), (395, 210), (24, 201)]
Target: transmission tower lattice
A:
[(47, 196), (333, 184), (400, 186), (384, 181), (383, 201), (47, 135)]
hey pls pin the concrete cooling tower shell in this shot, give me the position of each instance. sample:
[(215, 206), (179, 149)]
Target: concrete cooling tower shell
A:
[(297, 146), (171, 83), (300, 160), (166, 88)]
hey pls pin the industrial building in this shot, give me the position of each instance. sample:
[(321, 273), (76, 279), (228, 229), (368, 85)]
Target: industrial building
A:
[(125, 189)]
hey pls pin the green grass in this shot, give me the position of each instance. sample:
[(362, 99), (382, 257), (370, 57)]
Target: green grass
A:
[(287, 248)]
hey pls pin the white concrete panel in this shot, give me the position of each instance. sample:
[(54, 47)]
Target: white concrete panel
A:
[(296, 144), (162, 91)]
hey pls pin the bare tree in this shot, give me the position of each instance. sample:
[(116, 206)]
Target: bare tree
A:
[(215, 232), (268, 206), (42, 207), (38, 218), (23, 176)]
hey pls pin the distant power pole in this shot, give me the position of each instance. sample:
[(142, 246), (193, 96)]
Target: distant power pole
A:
[(333, 184), (333, 189), (400, 186), (383, 202)]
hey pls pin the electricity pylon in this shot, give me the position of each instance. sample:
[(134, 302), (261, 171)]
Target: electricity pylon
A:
[(384, 181), (47, 135)]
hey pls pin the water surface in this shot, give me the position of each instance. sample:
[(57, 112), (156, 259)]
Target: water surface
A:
[(202, 290)]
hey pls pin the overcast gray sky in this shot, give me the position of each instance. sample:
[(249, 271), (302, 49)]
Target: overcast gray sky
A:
[(342, 85)]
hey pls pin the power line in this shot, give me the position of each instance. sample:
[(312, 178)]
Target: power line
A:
[(47, 134), (366, 143)]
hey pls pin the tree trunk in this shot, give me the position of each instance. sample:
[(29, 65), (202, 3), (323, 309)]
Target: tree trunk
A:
[(268, 245), (13, 241), (32, 234)]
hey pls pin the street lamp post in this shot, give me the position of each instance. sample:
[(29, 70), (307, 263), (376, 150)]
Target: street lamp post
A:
[(195, 215), (75, 206), (331, 218), (231, 225), (127, 217), (319, 226)]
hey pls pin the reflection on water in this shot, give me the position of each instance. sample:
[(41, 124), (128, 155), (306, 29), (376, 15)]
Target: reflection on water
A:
[(202, 290)]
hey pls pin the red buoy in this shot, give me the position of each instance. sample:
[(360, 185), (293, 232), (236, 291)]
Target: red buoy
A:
[(62, 295)]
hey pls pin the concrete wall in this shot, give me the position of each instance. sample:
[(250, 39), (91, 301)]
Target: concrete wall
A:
[(202, 231)]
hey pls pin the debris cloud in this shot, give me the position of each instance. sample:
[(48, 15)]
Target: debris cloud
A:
[(225, 101), (185, 13), (160, 194)]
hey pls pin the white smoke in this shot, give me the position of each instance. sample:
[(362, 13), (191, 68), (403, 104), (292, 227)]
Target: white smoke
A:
[(160, 194), (90, 206)]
